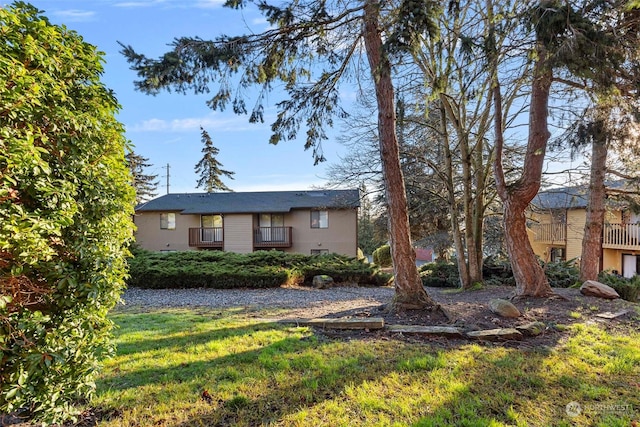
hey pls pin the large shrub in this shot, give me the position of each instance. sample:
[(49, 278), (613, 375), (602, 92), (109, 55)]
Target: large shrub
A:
[(65, 209), (496, 271), (382, 256), (440, 275)]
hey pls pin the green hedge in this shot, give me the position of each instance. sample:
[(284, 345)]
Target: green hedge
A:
[(262, 269)]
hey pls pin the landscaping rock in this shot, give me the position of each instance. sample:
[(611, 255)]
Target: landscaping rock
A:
[(443, 331), (504, 308), (600, 290), (342, 323), (322, 281), (496, 334), (532, 329), (609, 315)]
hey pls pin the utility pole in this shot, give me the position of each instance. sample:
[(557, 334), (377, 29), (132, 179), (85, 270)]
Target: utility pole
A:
[(167, 178)]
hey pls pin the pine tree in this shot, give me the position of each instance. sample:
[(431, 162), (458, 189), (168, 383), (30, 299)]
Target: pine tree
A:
[(209, 167), (144, 184)]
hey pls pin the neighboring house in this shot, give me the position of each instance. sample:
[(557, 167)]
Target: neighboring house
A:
[(423, 256), (308, 222), (556, 228)]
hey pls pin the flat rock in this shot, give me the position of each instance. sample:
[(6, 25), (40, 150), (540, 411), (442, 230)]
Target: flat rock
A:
[(532, 329), (496, 334), (446, 331), (504, 308), (600, 290), (610, 315), (342, 323)]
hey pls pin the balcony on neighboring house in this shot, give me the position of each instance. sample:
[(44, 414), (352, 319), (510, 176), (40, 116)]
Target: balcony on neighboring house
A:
[(555, 233), (272, 237), (206, 237), (621, 236)]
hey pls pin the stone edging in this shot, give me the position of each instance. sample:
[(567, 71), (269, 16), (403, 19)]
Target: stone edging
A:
[(376, 323)]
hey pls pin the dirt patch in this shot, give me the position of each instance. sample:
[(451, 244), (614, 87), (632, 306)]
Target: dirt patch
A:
[(469, 310)]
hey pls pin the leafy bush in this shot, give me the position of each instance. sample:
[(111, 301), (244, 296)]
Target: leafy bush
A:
[(382, 256), (66, 205), (562, 274), (262, 269), (497, 271), (440, 275), (497, 266), (628, 289)]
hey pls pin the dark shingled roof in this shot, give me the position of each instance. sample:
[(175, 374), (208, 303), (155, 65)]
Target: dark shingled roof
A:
[(562, 198), (251, 202), (575, 197)]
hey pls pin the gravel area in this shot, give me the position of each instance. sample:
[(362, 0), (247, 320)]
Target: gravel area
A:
[(298, 301)]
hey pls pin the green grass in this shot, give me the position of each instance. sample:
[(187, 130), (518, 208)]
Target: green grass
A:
[(271, 374)]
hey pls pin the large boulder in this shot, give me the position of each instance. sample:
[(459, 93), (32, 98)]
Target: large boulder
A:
[(600, 290), (504, 308)]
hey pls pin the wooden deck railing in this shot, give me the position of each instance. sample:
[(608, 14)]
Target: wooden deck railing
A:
[(551, 233), (206, 237), (621, 236), (614, 235), (272, 237)]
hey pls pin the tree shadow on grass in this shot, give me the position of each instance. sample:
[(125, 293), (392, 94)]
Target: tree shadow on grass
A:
[(287, 378)]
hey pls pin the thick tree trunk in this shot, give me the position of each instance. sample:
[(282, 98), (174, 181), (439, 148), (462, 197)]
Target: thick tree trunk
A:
[(528, 274), (592, 240), (410, 294)]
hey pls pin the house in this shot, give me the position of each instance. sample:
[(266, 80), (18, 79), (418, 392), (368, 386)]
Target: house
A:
[(308, 222), (556, 228)]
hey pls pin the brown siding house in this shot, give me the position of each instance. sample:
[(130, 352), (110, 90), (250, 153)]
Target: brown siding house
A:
[(308, 222)]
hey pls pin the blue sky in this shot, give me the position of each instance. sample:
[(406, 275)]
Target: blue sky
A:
[(166, 128)]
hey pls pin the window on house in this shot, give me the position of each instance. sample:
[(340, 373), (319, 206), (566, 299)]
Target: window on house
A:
[(272, 227), (211, 228), (168, 221), (319, 219), (271, 220), (319, 251), (211, 221)]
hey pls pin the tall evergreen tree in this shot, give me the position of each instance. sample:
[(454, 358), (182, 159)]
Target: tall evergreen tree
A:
[(146, 185), (209, 168)]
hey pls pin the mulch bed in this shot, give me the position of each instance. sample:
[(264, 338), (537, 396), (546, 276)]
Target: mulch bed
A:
[(470, 311)]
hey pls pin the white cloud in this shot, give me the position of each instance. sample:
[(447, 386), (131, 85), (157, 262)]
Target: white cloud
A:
[(151, 125), (75, 15), (139, 3), (209, 4), (201, 4), (189, 124)]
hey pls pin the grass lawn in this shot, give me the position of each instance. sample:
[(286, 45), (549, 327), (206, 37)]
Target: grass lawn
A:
[(221, 368)]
